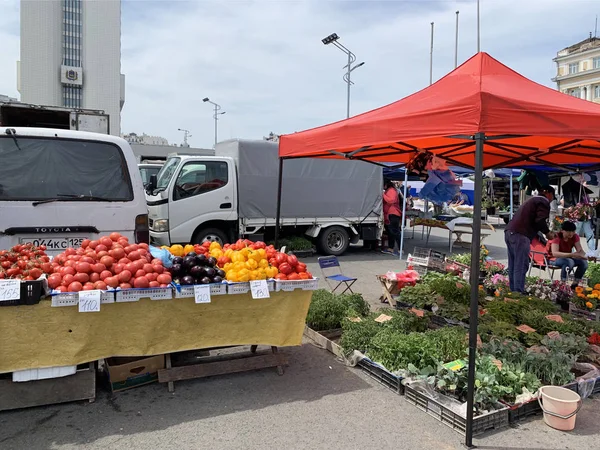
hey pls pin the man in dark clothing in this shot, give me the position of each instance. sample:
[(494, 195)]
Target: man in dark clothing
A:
[(531, 218)]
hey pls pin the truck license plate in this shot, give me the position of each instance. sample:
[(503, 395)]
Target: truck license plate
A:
[(54, 243)]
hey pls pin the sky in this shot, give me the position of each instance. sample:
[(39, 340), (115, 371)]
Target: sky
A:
[(263, 60)]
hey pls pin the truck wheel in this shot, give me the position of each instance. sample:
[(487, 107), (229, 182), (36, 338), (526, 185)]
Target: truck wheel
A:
[(333, 241), (209, 234)]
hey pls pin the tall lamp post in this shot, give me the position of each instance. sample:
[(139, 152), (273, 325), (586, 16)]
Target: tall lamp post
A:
[(216, 114), (334, 39)]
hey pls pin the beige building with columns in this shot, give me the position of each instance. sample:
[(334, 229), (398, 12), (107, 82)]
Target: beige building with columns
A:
[(578, 70)]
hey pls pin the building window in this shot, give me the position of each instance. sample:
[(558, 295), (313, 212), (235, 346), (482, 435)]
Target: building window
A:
[(597, 91), (575, 92), (596, 63), (573, 68)]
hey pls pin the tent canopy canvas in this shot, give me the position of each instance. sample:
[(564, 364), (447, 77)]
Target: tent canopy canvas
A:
[(525, 123)]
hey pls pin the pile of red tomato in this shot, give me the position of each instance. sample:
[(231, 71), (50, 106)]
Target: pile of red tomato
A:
[(24, 262), (289, 267), (107, 263)]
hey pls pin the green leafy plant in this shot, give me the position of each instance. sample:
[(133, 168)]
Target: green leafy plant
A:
[(327, 311), (593, 273)]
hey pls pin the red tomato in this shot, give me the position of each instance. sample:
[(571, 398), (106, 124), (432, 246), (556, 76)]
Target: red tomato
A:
[(98, 267), (144, 246), (115, 236), (159, 269), (54, 281), (82, 277), (94, 277), (93, 245), (154, 284), (281, 276), (106, 241), (68, 271), (125, 286), (117, 268), (125, 276), (292, 260), (88, 287), (141, 282), (100, 255), (105, 274), (47, 267), (310, 276), (285, 268), (118, 253), (152, 276), (124, 261), (83, 267), (102, 248), (138, 264), (111, 281), (273, 262), (67, 279), (123, 241), (85, 243), (70, 251), (293, 276), (164, 278), (148, 268), (100, 285), (134, 255), (35, 273), (301, 267), (61, 289), (281, 258), (303, 276), (140, 273), (75, 286), (107, 261), (164, 285), (131, 248)]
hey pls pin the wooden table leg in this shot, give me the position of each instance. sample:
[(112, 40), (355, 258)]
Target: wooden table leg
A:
[(279, 368), (170, 384)]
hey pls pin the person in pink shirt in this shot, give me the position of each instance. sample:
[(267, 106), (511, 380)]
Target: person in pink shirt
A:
[(392, 215), (566, 248)]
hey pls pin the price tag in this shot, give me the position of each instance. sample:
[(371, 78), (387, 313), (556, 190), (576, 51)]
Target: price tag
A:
[(260, 289), (525, 329), (202, 293), (555, 318), (383, 318), (10, 290), (89, 301), (417, 312)]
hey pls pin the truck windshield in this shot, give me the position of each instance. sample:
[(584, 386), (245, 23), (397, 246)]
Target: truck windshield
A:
[(166, 173), (37, 169)]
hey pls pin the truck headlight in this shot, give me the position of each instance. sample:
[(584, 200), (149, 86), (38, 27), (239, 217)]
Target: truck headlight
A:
[(161, 225)]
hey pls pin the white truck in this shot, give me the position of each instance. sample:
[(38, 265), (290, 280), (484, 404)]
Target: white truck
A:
[(234, 194)]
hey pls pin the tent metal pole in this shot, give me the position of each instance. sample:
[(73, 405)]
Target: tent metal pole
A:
[(279, 186), (456, 43), (474, 311), (431, 58), (401, 249), (511, 194), (478, 30)]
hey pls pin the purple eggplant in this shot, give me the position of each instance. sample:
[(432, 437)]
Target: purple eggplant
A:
[(210, 272), (205, 280), (176, 270), (187, 281), (212, 262), (198, 272)]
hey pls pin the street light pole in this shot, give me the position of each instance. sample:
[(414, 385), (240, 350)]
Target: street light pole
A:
[(216, 114), (333, 39)]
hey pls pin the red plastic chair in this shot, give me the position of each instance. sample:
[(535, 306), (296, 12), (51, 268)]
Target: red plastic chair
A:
[(540, 258)]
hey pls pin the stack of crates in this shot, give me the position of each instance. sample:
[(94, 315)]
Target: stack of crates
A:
[(424, 260)]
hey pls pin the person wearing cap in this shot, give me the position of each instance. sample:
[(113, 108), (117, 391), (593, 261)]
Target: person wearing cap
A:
[(566, 248), (529, 220)]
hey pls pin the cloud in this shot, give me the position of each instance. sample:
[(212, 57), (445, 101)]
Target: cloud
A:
[(264, 62)]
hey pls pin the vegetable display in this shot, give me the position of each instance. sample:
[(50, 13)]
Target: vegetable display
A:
[(196, 268), (24, 262), (109, 262)]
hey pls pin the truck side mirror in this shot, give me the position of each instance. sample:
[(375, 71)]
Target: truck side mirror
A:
[(151, 186)]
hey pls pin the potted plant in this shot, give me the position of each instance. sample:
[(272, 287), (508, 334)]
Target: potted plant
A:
[(488, 204)]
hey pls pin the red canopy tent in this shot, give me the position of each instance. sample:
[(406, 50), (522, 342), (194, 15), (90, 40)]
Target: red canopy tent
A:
[(536, 125), (481, 115)]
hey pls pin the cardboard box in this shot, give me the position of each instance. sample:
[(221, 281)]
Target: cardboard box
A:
[(127, 373)]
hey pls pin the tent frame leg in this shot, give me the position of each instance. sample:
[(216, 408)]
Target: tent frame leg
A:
[(278, 217)]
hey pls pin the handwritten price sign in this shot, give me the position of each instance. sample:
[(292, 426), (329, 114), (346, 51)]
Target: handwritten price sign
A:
[(89, 301), (10, 290), (259, 289), (202, 293)]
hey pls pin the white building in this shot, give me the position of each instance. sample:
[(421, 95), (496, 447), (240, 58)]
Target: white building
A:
[(144, 139), (6, 98), (71, 55), (578, 70)]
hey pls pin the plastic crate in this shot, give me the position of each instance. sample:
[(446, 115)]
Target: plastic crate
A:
[(582, 313), (290, 285), (72, 298), (520, 412), (134, 295), (596, 389), (381, 375), (482, 423), (31, 293), (188, 291), (244, 287)]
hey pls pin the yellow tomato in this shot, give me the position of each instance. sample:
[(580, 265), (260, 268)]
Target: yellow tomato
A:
[(244, 275), (262, 252), (251, 264), (227, 267), (229, 253), (232, 275), (254, 256), (271, 272), (176, 250), (188, 248), (263, 264), (216, 253), (214, 246), (261, 274), (238, 257), (244, 252)]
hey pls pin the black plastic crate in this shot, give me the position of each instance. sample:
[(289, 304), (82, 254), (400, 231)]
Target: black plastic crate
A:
[(382, 376), (517, 413), (31, 294), (482, 423)]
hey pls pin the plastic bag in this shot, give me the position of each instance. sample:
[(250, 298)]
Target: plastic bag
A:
[(586, 383), (391, 275), (164, 255)]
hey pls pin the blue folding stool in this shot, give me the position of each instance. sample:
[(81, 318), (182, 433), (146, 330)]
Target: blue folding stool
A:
[(329, 264)]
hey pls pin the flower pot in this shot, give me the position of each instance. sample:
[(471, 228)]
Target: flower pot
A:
[(491, 210)]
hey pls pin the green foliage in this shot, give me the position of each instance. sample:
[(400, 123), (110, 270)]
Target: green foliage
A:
[(450, 287), (298, 243), (593, 273), (419, 295), (327, 311), (396, 350)]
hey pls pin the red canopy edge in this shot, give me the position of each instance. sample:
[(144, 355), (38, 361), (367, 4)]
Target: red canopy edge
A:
[(525, 123)]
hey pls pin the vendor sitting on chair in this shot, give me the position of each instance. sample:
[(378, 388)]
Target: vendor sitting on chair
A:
[(561, 248)]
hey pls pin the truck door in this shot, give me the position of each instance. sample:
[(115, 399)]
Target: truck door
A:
[(203, 191), (94, 123)]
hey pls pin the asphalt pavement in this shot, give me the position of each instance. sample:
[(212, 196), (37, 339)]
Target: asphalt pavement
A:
[(319, 403)]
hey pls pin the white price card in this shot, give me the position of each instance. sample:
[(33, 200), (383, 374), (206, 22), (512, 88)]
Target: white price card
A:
[(202, 293), (89, 301), (10, 290), (260, 289)]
